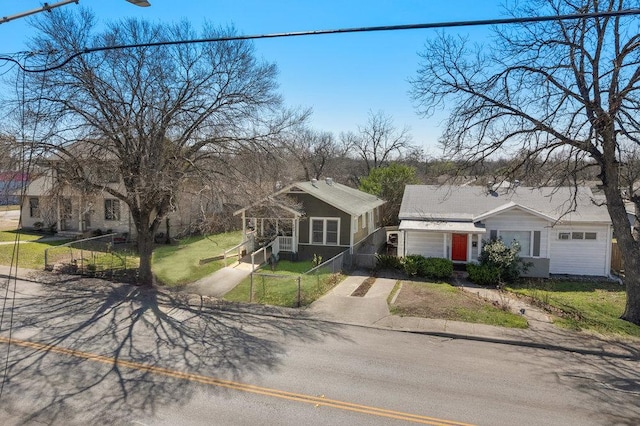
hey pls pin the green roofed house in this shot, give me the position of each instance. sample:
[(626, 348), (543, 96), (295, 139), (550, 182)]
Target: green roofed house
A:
[(318, 217), (560, 230)]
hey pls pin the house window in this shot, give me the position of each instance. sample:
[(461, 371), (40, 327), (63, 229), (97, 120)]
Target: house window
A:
[(34, 207), (111, 209), (522, 237), (317, 231), (576, 235), (325, 231)]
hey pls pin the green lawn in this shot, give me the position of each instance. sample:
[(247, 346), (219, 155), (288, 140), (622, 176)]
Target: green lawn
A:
[(9, 208), (283, 291), (10, 236), (583, 305), (30, 255), (180, 264)]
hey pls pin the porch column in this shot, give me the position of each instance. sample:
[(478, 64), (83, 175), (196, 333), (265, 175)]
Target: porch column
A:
[(294, 235), (445, 255), (244, 225), (469, 246), (58, 219), (80, 224), (479, 245)]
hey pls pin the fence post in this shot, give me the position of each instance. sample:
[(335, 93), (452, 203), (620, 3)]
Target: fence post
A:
[(299, 290), (251, 288), (46, 253)]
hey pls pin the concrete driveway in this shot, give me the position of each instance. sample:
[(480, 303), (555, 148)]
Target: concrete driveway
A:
[(339, 305)]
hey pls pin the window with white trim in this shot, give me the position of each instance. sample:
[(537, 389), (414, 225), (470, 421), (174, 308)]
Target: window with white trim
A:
[(111, 209), (34, 207), (325, 231)]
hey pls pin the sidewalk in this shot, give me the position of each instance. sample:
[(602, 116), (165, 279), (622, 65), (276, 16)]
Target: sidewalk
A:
[(372, 311), (338, 306)]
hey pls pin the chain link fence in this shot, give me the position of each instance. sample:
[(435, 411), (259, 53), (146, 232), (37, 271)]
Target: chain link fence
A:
[(296, 290), (107, 256)]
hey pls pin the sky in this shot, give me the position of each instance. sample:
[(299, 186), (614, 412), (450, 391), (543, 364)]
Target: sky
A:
[(341, 77)]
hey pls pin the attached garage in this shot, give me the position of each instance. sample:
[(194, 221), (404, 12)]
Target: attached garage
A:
[(580, 251)]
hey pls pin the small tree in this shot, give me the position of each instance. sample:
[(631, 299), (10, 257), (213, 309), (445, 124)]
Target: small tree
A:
[(388, 183)]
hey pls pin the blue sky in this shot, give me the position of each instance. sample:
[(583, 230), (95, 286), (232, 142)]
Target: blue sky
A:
[(341, 77)]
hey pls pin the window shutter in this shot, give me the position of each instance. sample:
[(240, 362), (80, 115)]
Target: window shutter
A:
[(536, 243), (493, 234)]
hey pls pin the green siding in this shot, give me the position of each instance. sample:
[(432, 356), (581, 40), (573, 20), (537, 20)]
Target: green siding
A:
[(315, 208)]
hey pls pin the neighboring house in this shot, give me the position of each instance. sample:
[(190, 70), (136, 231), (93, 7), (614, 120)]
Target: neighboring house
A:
[(318, 217), (10, 185), (50, 204), (454, 221)]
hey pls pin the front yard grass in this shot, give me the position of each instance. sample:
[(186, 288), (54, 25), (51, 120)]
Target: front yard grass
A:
[(443, 301), (10, 236), (30, 255), (581, 305), (283, 290), (179, 264)]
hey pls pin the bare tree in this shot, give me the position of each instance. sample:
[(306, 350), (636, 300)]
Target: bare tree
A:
[(378, 142), (316, 151), (154, 114), (568, 88)]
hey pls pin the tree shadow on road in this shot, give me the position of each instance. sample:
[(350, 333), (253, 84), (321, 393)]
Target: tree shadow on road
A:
[(132, 324)]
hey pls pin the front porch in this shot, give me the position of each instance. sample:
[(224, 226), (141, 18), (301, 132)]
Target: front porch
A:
[(460, 242)]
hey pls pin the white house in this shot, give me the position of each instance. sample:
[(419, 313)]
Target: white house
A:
[(560, 230)]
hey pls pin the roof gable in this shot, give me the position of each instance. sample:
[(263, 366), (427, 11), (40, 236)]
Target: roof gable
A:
[(512, 206)]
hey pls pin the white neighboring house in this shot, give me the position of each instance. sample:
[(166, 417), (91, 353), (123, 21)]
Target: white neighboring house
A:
[(71, 211), (452, 222)]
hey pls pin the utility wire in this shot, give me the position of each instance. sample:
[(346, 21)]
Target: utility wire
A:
[(452, 24)]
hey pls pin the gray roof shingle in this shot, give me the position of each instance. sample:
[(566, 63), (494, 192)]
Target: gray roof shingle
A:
[(465, 203), (349, 200)]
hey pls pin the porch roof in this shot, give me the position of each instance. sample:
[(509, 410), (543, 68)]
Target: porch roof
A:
[(442, 226)]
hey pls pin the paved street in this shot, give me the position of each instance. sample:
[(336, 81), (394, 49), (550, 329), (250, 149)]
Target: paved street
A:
[(121, 355)]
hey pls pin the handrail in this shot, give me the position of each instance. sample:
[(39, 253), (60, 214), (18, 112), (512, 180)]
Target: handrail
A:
[(325, 262), (236, 247)]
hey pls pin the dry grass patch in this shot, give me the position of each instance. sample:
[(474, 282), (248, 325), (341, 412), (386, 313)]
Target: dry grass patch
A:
[(443, 301)]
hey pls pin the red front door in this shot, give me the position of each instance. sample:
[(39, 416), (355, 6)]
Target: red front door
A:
[(459, 247)]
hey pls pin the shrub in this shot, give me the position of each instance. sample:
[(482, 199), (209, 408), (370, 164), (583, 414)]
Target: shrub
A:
[(411, 264), (435, 268), (388, 262), (483, 274), (496, 255)]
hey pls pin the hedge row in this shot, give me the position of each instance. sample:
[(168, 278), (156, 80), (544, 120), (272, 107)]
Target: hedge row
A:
[(416, 265)]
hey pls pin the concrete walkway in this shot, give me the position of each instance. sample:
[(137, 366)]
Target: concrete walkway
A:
[(339, 305), (220, 282)]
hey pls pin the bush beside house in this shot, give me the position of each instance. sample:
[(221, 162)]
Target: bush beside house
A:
[(416, 265)]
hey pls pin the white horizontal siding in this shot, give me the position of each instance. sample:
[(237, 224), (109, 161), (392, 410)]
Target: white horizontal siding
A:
[(580, 257), (427, 244), (519, 220)]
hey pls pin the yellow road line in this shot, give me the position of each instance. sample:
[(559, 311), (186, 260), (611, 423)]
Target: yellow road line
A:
[(207, 380)]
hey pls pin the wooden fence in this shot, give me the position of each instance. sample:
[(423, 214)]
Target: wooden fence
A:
[(617, 265)]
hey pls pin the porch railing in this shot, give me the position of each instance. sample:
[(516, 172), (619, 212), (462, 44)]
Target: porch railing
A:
[(286, 243)]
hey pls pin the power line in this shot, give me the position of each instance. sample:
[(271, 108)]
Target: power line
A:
[(432, 25)]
